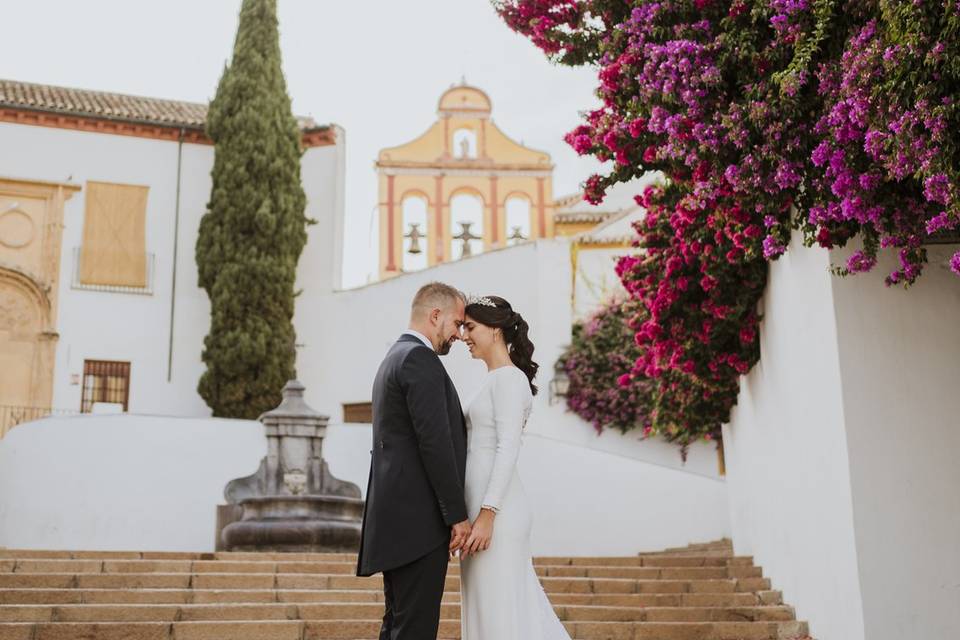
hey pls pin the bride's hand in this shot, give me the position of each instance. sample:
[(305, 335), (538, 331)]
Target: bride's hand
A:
[(480, 535)]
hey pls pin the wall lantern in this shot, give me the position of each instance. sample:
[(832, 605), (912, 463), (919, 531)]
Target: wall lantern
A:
[(560, 384)]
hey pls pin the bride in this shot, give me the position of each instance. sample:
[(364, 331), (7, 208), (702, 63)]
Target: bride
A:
[(501, 596)]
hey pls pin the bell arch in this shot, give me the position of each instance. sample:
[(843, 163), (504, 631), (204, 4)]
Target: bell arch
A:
[(467, 222), (415, 205), (518, 217)]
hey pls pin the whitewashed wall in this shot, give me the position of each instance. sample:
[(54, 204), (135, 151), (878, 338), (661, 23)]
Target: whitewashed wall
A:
[(900, 366), (786, 451), (139, 328), (840, 454), (147, 483), (596, 282)]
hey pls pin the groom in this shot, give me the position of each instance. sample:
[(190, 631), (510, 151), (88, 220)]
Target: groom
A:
[(415, 512)]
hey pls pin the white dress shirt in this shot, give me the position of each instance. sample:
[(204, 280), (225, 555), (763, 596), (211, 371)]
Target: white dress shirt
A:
[(417, 334)]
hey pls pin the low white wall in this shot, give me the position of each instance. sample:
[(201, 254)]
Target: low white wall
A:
[(900, 364), (786, 452), (150, 482), (125, 482), (594, 503)]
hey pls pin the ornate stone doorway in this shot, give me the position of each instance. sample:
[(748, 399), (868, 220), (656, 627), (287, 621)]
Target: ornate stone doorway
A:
[(31, 225)]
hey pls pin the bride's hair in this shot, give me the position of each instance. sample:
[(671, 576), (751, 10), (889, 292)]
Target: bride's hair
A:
[(501, 315)]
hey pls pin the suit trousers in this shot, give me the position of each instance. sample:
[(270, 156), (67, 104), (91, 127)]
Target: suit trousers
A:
[(412, 595)]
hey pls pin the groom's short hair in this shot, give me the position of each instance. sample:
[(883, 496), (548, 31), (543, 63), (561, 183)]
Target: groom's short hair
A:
[(435, 295)]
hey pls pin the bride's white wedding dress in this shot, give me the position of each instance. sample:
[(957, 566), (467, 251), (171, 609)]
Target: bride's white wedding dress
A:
[(501, 597)]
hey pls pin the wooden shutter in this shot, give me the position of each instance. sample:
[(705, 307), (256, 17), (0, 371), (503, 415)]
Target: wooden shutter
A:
[(114, 235)]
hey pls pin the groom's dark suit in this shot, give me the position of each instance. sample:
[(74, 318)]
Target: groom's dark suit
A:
[(415, 492)]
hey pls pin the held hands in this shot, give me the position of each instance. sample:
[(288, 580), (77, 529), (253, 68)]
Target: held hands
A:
[(480, 535), (458, 535)]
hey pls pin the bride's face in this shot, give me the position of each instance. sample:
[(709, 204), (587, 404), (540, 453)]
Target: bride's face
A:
[(478, 337)]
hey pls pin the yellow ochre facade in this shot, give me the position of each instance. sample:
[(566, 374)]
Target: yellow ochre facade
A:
[(462, 153)]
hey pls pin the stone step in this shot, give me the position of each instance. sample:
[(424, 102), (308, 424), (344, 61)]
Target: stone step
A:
[(310, 581), (247, 596), (25, 566), (354, 630), (361, 611), (679, 559), (699, 592)]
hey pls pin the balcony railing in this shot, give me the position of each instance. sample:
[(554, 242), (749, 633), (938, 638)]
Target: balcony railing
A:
[(11, 416), (146, 290)]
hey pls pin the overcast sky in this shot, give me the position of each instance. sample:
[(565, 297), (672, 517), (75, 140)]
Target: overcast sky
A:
[(375, 68)]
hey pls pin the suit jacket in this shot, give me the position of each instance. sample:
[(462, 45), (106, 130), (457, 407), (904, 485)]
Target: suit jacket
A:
[(415, 491)]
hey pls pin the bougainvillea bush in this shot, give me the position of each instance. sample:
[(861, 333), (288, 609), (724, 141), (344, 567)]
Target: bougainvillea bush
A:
[(602, 350), (831, 119)]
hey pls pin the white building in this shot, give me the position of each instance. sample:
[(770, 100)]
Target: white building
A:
[(100, 289)]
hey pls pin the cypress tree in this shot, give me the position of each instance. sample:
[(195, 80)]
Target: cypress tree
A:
[(254, 229)]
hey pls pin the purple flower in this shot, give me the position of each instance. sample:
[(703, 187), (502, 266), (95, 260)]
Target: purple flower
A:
[(732, 173), (940, 222), (859, 262), (873, 144), (772, 247), (936, 188), (955, 263)]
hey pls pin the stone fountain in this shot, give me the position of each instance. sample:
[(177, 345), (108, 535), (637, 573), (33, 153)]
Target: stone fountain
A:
[(292, 502)]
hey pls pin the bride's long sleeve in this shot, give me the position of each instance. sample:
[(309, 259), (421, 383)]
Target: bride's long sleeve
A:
[(511, 404)]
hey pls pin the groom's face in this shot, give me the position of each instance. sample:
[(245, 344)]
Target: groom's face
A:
[(448, 326)]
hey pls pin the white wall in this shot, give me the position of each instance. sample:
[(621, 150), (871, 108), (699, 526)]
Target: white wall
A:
[(126, 482), (786, 453), (841, 453), (596, 281), (591, 502), (152, 483), (137, 328), (900, 363)]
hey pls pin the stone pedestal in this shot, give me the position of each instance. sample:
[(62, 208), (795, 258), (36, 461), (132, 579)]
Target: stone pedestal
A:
[(293, 502)]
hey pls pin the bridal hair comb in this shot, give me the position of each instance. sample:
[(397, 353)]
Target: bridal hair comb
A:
[(481, 300)]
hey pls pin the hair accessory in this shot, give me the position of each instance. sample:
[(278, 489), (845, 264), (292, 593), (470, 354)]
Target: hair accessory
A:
[(481, 300)]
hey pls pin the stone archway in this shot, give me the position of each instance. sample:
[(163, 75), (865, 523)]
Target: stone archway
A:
[(26, 344)]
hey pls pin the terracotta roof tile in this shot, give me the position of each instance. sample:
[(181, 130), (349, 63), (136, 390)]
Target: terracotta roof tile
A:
[(575, 217), (114, 106)]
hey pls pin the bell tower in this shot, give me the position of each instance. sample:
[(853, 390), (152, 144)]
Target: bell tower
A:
[(461, 188)]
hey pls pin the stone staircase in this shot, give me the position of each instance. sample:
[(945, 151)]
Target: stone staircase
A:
[(700, 592)]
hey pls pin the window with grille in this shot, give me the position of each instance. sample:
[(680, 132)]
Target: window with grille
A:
[(105, 381)]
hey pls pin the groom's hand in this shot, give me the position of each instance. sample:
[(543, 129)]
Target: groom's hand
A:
[(459, 534)]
